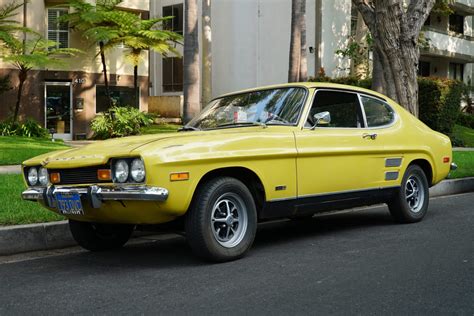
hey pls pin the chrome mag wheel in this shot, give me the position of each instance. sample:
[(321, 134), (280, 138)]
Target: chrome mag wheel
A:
[(229, 220), (414, 193)]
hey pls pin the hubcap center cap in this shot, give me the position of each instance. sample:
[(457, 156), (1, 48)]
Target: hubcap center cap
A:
[(229, 220)]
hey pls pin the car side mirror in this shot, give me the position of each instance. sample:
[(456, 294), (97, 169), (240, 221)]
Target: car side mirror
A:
[(321, 118)]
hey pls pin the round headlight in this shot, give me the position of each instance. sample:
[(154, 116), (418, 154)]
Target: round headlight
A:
[(121, 171), (137, 170), (33, 176), (43, 176)]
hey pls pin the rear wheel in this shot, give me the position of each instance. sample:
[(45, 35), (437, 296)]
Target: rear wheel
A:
[(222, 221), (411, 202), (100, 237)]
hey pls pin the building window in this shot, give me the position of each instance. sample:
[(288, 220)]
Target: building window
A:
[(58, 31), (121, 96), (172, 74), (456, 71), (456, 23), (424, 69), (176, 23)]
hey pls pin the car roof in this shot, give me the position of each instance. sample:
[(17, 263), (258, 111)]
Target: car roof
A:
[(310, 85)]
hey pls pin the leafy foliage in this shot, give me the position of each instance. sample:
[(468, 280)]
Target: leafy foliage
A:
[(466, 119), (119, 122), (30, 128)]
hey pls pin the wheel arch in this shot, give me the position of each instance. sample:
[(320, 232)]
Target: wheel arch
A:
[(247, 176), (427, 168)]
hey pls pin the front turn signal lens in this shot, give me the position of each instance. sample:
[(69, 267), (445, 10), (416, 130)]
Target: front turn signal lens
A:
[(179, 176), (104, 174), (445, 159), (55, 177)]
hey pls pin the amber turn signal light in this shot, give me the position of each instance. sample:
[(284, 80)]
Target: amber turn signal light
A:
[(179, 176), (445, 159), (104, 174), (55, 177)]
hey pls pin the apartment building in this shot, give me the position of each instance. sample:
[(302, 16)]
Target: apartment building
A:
[(67, 98), (250, 43)]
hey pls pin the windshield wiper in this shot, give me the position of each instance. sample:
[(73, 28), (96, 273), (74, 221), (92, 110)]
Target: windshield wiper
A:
[(244, 123), (188, 128)]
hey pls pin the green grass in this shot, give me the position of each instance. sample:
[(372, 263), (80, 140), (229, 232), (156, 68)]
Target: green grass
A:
[(465, 162), (15, 211), (465, 134), (14, 149), (160, 128)]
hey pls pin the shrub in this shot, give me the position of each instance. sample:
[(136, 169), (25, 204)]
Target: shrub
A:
[(466, 119), (119, 122), (30, 128), (439, 99)]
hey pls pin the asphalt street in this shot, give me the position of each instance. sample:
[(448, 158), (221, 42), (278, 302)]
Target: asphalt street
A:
[(352, 263)]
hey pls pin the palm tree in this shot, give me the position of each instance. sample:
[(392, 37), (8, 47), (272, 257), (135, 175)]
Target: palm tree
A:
[(138, 35), (191, 61), (7, 25), (90, 20), (297, 70), (34, 52)]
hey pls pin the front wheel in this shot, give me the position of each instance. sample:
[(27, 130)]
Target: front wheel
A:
[(411, 202), (100, 237), (222, 221)]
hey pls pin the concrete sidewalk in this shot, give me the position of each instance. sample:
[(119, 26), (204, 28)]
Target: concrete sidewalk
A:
[(13, 169), (46, 236)]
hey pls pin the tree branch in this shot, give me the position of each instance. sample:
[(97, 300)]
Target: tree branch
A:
[(367, 12), (417, 13)]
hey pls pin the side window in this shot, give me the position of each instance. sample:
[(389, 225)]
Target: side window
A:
[(344, 109), (378, 113)]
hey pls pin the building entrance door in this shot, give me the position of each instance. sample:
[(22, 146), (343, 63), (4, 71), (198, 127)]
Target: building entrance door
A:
[(58, 109)]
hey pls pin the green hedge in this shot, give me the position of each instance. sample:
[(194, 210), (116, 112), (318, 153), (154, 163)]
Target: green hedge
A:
[(439, 99), (466, 119), (440, 102)]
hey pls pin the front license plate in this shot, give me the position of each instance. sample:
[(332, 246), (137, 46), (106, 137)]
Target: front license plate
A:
[(69, 203)]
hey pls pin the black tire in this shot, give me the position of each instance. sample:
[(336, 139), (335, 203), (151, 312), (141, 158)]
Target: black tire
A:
[(406, 209), (208, 225), (100, 237)]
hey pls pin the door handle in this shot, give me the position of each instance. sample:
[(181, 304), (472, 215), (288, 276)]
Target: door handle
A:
[(371, 136)]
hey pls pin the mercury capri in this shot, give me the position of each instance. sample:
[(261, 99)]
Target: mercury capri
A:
[(285, 151)]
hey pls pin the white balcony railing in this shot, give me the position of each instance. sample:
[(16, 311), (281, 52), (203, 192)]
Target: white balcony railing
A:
[(451, 44)]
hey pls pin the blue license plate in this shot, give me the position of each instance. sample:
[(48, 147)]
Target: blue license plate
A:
[(69, 203)]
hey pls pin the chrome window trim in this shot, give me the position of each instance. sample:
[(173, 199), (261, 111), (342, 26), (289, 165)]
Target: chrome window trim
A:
[(335, 90), (359, 95), (395, 116)]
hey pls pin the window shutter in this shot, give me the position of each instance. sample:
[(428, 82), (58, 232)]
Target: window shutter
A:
[(58, 32)]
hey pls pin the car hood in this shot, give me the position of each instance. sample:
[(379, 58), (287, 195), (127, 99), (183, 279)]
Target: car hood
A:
[(98, 152), (169, 146)]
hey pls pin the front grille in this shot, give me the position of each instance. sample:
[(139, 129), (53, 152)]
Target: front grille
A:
[(86, 175)]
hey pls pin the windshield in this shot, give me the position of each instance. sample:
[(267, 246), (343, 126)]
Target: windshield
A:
[(268, 107)]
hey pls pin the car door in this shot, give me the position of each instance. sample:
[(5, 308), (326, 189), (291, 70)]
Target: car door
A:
[(337, 158)]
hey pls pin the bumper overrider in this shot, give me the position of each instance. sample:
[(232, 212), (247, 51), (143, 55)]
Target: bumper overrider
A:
[(95, 194)]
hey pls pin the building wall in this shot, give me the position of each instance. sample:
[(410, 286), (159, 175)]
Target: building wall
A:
[(84, 71), (250, 42)]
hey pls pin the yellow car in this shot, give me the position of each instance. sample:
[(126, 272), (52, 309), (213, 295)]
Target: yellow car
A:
[(290, 150)]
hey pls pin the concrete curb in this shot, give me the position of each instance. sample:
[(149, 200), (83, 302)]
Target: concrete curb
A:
[(46, 236)]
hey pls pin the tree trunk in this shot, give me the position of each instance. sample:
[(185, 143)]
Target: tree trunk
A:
[(135, 86), (22, 75), (191, 61), (395, 31), (303, 76), (295, 42), (104, 69), (206, 52), (377, 72)]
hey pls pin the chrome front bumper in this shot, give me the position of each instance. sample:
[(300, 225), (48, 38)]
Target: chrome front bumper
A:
[(97, 194), (453, 166)]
